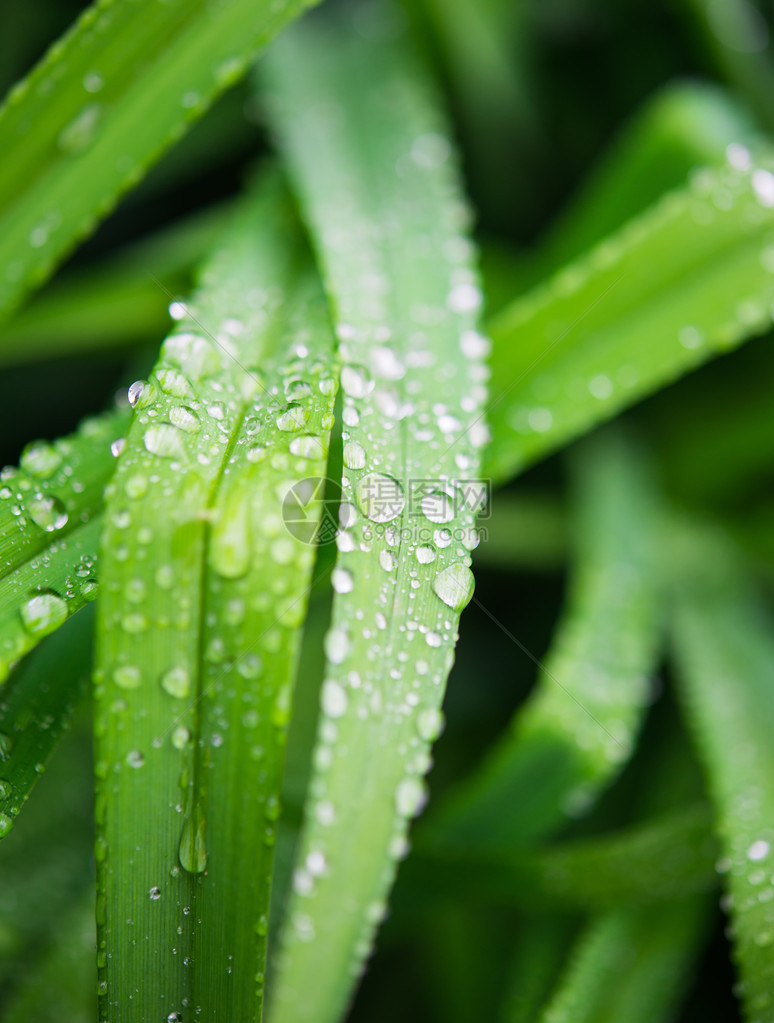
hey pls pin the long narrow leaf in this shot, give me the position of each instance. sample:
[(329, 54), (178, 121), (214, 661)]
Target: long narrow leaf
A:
[(49, 527), (374, 171), (632, 965), (578, 726), (198, 629), (725, 655), (101, 106), (691, 278)]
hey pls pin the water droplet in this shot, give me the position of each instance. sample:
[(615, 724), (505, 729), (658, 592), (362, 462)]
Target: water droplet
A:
[(337, 645), (307, 446), (180, 737), (43, 613), (600, 387), (89, 588), (193, 851), (758, 850), (81, 132), (6, 747), (164, 440), (127, 676), (93, 81), (6, 823), (184, 418), (154, 894), (354, 455), (293, 418), (387, 560), (334, 699), (230, 540), (342, 581), (48, 512), (454, 586), (40, 459), (135, 759), (177, 682), (135, 392), (438, 506), (465, 298), (763, 185), (425, 554), (356, 381), (410, 797), (429, 724), (380, 497)]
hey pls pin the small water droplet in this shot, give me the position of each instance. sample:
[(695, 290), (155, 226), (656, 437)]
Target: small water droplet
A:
[(334, 699), (342, 580), (154, 894), (337, 645), (293, 418), (164, 440), (193, 851), (380, 497), (410, 797), (135, 759), (127, 676)]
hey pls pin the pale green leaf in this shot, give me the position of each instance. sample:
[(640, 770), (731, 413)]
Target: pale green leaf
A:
[(374, 172)]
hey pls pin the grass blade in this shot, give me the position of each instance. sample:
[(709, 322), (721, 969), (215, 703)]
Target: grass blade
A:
[(36, 708), (198, 631), (689, 279), (725, 656), (85, 125), (664, 858), (49, 529), (578, 726), (374, 173), (632, 965)]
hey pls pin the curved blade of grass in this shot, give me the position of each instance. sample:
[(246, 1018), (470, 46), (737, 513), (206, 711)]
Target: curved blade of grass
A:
[(665, 858), (61, 983), (115, 303), (36, 708), (578, 727), (102, 105), (689, 279), (537, 961), (686, 125), (198, 632), (725, 655), (633, 965), (373, 170), (50, 509)]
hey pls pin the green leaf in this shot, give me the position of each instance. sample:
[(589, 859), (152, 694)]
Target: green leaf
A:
[(49, 532), (103, 104), (689, 279), (374, 172), (36, 708), (664, 858), (725, 656), (198, 627), (631, 965), (578, 726), (122, 300)]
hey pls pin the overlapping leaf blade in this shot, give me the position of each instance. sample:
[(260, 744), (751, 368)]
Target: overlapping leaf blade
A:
[(101, 106), (50, 508), (689, 279), (725, 656), (579, 725), (198, 630), (373, 169)]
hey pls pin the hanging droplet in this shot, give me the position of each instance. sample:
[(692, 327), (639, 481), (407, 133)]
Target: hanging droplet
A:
[(454, 585)]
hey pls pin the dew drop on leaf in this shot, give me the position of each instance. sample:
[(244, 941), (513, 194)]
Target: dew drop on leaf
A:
[(454, 585), (43, 612), (48, 512)]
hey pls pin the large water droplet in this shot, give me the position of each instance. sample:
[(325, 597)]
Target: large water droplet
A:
[(410, 797), (356, 381), (177, 682), (47, 511), (454, 586), (127, 676), (230, 541), (354, 455), (337, 645), (193, 851), (380, 497), (43, 612), (293, 418), (334, 699), (164, 440), (40, 459)]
